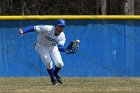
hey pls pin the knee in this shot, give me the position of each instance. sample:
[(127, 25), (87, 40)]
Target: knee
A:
[(49, 65), (60, 65)]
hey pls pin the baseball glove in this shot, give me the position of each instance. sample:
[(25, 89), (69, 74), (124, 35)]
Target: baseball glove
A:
[(72, 48)]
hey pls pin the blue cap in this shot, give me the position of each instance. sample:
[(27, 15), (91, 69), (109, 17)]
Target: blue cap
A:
[(61, 22)]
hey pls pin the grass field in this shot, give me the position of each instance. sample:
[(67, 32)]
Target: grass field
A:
[(71, 85)]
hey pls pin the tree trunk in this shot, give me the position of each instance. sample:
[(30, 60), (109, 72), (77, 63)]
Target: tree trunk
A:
[(129, 7), (22, 7), (103, 7)]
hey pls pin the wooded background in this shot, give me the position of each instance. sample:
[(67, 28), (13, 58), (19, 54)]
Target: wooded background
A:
[(70, 7)]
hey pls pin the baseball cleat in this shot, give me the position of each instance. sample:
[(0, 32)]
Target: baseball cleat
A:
[(54, 82), (59, 79)]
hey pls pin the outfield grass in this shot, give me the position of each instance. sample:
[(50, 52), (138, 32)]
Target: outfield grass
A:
[(71, 85)]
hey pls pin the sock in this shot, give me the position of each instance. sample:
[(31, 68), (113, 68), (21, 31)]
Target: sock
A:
[(50, 71), (56, 70)]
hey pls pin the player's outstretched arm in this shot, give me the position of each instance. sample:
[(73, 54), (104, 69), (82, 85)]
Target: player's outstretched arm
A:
[(26, 30)]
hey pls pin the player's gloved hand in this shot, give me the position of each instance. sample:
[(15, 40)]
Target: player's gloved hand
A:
[(69, 51), (73, 47)]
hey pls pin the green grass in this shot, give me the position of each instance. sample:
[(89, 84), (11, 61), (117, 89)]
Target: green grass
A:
[(71, 85)]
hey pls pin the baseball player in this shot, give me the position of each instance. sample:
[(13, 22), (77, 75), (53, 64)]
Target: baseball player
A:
[(50, 42)]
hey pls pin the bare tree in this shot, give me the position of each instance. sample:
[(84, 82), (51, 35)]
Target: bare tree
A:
[(103, 7), (129, 7)]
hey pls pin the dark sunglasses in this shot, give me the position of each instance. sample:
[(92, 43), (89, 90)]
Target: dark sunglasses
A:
[(61, 26)]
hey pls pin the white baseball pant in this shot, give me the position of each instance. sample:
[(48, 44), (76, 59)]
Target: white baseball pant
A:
[(49, 54)]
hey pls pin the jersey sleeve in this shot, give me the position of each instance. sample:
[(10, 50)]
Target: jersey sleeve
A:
[(42, 28), (61, 44), (62, 41), (28, 29)]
